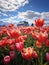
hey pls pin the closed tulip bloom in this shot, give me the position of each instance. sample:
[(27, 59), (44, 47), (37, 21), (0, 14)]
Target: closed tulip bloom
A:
[(6, 60), (39, 22), (12, 55), (47, 43), (35, 55), (47, 56)]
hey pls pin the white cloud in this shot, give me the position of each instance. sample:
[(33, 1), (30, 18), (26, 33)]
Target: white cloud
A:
[(30, 16), (10, 20), (45, 14), (0, 15), (11, 5), (3, 14)]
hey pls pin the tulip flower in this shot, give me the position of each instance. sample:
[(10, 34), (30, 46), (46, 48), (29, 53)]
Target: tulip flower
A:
[(39, 22), (11, 41), (42, 37), (1, 43), (12, 55), (6, 60), (19, 46), (11, 25), (27, 53), (38, 44), (47, 56), (35, 55), (14, 33), (47, 43), (24, 36), (12, 47), (20, 39)]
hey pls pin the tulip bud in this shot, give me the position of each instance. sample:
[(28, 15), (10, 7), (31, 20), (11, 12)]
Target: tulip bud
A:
[(47, 56), (6, 60), (12, 47), (12, 55), (39, 22), (35, 55), (25, 36)]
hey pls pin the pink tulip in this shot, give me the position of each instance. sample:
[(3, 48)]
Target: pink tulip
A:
[(47, 56), (6, 60), (35, 55), (12, 55), (19, 46)]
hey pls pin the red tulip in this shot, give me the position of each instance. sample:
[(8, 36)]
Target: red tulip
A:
[(24, 37), (6, 60), (11, 41), (42, 37), (11, 25), (47, 56), (47, 43), (14, 33), (5, 42), (12, 55), (19, 46), (35, 35), (39, 22), (20, 39), (1, 43), (1, 32), (12, 47)]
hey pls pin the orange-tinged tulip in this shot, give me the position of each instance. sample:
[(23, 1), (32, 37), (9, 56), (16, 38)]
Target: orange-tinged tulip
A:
[(14, 33), (38, 44), (27, 53), (42, 37), (20, 39), (12, 47)]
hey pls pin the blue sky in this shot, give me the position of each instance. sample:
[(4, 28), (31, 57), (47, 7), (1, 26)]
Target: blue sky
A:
[(20, 10)]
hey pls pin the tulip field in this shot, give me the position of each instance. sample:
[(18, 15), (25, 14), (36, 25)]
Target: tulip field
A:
[(20, 45)]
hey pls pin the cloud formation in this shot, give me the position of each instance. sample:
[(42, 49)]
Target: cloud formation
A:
[(31, 14), (28, 16), (11, 19), (11, 5), (3, 14)]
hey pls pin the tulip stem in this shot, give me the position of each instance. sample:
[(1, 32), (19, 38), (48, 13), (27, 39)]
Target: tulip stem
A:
[(36, 62), (41, 57)]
